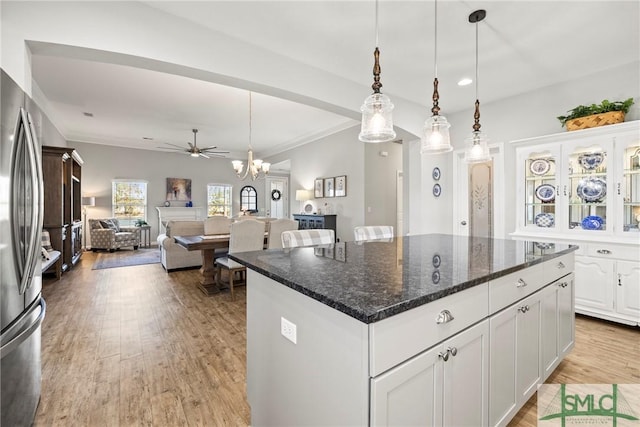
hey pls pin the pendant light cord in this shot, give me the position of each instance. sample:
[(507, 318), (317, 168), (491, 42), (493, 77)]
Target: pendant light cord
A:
[(250, 120), (435, 50), (376, 23), (477, 82)]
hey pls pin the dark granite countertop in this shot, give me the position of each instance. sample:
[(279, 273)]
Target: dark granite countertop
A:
[(375, 280)]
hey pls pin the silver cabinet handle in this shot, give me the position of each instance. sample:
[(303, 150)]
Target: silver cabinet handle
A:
[(521, 283), (563, 284), (523, 309), (452, 350), (463, 222), (444, 356), (445, 316), (604, 251), (619, 192), (565, 190), (561, 265), (619, 279)]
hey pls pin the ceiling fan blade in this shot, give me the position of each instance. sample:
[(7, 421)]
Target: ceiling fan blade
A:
[(190, 145), (214, 152), (209, 148), (172, 149), (203, 155), (174, 145)]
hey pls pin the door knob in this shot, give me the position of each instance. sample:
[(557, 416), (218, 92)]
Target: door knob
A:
[(444, 356)]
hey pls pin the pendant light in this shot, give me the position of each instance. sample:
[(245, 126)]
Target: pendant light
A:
[(377, 121), (254, 167), (435, 133), (477, 150)]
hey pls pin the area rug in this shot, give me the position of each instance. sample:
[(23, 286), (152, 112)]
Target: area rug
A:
[(126, 258)]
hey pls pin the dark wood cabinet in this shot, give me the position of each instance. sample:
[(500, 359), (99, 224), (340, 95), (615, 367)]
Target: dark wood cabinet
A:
[(306, 222), (62, 167)]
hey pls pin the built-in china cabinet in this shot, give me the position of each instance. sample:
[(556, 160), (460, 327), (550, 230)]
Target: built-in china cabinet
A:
[(583, 187)]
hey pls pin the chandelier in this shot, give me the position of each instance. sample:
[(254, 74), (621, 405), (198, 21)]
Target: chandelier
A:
[(435, 134), (254, 167), (377, 122)]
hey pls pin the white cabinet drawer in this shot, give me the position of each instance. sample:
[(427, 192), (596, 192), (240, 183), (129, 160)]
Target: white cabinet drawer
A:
[(607, 250), (508, 289), (397, 338)]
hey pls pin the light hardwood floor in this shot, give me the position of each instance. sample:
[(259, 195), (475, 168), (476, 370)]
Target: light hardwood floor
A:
[(138, 346)]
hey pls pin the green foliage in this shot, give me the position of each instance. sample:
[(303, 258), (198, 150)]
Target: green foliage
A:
[(604, 107)]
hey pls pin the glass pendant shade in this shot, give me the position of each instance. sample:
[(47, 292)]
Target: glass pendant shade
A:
[(435, 136), (477, 150), (377, 119)]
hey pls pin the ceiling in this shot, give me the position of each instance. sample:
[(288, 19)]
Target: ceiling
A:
[(523, 46)]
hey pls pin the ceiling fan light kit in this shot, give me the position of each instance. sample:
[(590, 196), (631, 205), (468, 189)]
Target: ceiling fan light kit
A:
[(254, 167), (435, 133), (377, 119)]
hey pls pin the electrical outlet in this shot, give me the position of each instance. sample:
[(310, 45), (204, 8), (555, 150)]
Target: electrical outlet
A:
[(288, 330)]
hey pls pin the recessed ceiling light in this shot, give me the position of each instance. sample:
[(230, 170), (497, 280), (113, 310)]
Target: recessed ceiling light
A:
[(465, 82), (147, 138), (88, 114)]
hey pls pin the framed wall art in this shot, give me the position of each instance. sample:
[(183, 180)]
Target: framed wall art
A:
[(329, 184), (178, 189), (341, 186), (318, 188)]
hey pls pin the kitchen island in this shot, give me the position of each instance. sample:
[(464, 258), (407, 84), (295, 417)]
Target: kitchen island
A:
[(418, 330)]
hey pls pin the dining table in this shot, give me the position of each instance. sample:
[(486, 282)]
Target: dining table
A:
[(207, 245)]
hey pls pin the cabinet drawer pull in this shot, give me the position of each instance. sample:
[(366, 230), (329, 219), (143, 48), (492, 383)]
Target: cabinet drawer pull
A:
[(523, 309), (444, 356), (445, 316), (453, 351), (604, 251), (563, 284), (561, 265), (521, 283)]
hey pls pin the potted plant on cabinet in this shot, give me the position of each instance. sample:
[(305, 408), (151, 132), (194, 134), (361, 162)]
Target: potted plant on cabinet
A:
[(587, 116)]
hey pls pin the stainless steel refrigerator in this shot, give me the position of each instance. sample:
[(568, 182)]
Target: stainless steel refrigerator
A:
[(22, 308)]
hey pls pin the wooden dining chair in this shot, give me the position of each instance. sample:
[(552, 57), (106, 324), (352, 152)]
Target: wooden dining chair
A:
[(276, 227), (367, 233), (299, 238), (245, 236)]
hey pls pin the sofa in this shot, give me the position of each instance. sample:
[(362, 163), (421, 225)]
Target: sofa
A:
[(174, 256), (107, 234)]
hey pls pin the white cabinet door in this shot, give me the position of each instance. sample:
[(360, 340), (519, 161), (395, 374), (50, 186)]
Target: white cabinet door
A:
[(628, 289), (557, 323), (594, 283), (444, 386), (409, 394), (514, 345), (466, 386)]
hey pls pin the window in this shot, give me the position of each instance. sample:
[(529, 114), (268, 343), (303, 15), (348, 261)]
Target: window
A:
[(248, 199), (218, 199), (129, 201)]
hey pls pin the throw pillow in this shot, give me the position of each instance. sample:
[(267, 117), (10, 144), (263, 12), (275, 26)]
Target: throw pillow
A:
[(46, 240), (107, 223)]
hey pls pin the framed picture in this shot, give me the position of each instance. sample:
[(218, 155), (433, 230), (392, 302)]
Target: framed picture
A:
[(178, 189), (318, 188), (329, 184), (341, 186)]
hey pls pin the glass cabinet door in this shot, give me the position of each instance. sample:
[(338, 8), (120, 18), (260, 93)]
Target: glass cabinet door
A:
[(588, 170), (630, 190), (540, 189)]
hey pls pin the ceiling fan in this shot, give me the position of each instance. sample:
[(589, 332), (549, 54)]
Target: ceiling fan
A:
[(195, 151)]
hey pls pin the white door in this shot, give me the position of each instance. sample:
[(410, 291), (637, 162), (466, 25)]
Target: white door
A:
[(277, 197), (593, 283), (461, 218), (628, 289)]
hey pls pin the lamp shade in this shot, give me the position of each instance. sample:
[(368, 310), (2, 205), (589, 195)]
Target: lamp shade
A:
[(88, 201), (303, 195)]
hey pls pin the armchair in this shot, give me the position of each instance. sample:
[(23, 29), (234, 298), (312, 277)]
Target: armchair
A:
[(108, 234)]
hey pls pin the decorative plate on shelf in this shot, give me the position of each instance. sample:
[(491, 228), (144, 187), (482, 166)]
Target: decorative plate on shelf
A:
[(544, 245), (592, 222), (590, 161), (308, 208), (546, 193), (544, 220), (592, 189), (539, 166)]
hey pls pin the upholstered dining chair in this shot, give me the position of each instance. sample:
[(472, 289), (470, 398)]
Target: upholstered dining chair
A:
[(218, 224), (314, 237), (245, 236), (276, 227), (380, 233)]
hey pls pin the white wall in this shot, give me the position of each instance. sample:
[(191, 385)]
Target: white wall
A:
[(339, 154), (380, 183), (527, 115)]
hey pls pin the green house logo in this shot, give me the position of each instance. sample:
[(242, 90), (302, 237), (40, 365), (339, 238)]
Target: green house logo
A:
[(588, 404)]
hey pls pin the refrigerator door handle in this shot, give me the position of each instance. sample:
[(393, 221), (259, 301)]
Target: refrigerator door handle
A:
[(37, 211), (26, 333)]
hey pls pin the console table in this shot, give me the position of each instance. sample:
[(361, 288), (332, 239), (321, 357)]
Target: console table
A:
[(306, 222), (178, 213)]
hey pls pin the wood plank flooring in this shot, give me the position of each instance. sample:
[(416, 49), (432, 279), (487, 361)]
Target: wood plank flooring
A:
[(137, 346)]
